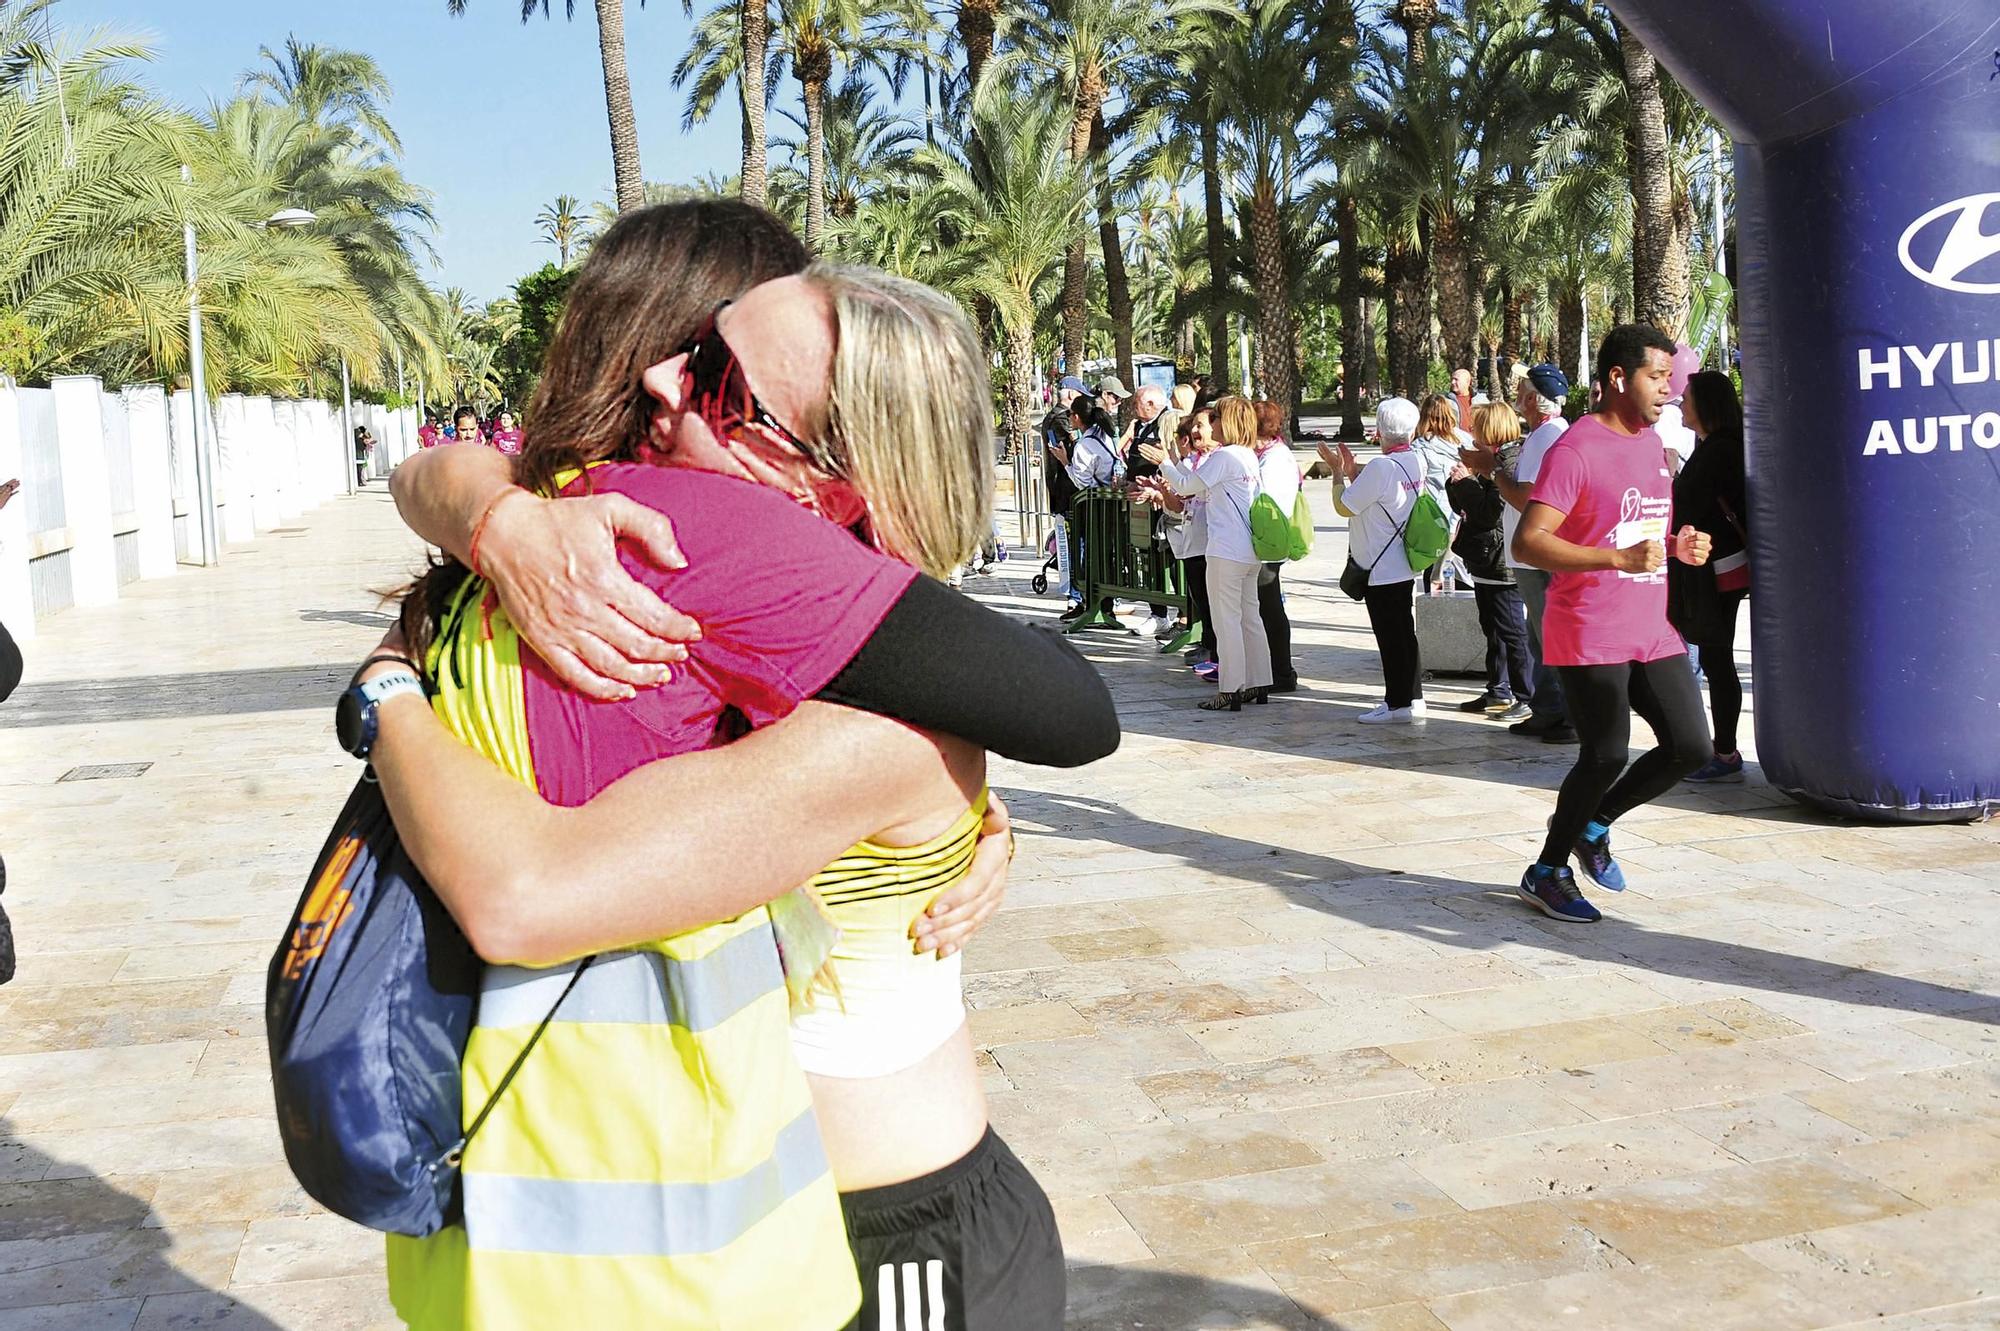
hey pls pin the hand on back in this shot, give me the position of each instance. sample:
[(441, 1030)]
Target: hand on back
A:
[(554, 563)]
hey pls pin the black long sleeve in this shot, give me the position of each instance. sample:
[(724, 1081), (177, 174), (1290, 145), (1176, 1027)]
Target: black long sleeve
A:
[(944, 662)]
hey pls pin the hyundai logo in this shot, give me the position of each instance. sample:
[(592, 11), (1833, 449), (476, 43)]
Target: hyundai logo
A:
[(1966, 246)]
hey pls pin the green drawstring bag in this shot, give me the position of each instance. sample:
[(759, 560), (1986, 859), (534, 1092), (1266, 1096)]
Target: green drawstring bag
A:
[(1302, 526), (1428, 533), (1276, 536)]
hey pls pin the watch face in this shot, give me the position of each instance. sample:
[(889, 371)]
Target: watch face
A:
[(347, 722)]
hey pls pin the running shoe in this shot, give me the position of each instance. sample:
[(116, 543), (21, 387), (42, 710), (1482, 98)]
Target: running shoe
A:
[(1719, 770), (1382, 714), (1520, 711), (1207, 669), (1074, 612), (1486, 702), (1538, 724), (1595, 857), (1554, 893)]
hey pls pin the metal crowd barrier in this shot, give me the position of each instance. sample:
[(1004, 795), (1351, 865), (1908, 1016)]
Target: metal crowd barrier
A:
[(1124, 561)]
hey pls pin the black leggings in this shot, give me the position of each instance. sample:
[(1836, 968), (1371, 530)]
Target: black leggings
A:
[(1277, 625), (1601, 701), (1725, 687), (1196, 569), (10, 664), (1392, 614)]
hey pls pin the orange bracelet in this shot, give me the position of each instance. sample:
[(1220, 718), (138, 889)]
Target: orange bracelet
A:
[(479, 527)]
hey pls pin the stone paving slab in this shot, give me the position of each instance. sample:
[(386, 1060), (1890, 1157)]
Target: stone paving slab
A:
[(1261, 1012)]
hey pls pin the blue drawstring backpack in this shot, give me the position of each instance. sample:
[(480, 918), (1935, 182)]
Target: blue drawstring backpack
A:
[(367, 1006)]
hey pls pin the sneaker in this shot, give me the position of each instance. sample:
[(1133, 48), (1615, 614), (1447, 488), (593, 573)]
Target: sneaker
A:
[(1382, 714), (1554, 893), (1074, 612), (1719, 770), (1595, 857), (1540, 723), (1146, 627), (1520, 711), (1486, 702), (1207, 669), (1562, 734)]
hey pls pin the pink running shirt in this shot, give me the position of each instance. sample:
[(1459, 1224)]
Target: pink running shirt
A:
[(785, 599), (1616, 493)]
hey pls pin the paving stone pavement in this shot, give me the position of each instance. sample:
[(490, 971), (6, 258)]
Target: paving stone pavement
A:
[(1261, 1012)]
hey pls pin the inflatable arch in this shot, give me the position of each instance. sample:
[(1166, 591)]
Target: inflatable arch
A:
[(1868, 205)]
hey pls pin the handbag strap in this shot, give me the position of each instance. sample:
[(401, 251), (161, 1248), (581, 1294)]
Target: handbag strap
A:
[(457, 1151), (1729, 512)]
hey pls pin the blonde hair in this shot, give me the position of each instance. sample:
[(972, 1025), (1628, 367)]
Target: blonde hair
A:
[(1495, 425), (1183, 398), (1235, 422), (909, 417)]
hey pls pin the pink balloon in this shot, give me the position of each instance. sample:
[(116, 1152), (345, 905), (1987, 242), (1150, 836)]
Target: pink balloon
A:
[(1687, 361)]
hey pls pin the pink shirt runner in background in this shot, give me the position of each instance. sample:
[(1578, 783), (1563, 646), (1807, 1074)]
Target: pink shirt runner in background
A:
[(784, 599), (429, 436), (507, 441), (1615, 493)]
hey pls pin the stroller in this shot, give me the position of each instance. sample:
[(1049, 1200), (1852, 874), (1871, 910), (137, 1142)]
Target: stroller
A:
[(1040, 582)]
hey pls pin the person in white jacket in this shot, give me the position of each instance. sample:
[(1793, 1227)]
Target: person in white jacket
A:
[(1379, 498), (1228, 480)]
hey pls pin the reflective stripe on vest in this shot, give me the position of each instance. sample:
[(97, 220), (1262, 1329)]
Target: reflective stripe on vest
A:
[(507, 1213), (639, 987)]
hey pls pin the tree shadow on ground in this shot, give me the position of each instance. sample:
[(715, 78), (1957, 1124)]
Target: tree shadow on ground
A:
[(1157, 697), (81, 1252), (1143, 1297), (1480, 916)]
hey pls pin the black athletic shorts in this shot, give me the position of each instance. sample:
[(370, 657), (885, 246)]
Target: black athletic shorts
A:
[(972, 1247)]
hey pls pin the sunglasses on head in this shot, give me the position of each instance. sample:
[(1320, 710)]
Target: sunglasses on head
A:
[(719, 392)]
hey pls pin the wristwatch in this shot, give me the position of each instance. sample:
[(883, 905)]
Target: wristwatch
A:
[(356, 715)]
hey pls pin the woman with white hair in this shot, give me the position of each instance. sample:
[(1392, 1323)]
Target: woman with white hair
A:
[(1379, 499)]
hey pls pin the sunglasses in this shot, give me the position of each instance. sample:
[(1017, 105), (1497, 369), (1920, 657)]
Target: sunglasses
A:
[(719, 392)]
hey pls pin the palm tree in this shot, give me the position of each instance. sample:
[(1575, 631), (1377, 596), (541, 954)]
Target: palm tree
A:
[(339, 90), (1272, 74), (867, 148), (1016, 206), (617, 91), (1090, 46), (562, 226), (1650, 123), (815, 39)]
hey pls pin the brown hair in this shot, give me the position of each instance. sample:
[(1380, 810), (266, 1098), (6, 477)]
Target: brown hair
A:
[(1713, 395), (1438, 417), (1495, 425), (649, 284), (1270, 419), (1235, 422)]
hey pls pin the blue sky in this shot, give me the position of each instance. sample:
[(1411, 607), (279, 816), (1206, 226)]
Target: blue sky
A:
[(496, 118)]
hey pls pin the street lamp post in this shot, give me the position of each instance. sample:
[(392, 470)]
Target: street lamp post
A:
[(204, 455), (204, 437)]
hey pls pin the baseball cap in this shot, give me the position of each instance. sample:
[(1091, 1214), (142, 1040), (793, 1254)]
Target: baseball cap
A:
[(1549, 381), (1113, 385), (1074, 384)]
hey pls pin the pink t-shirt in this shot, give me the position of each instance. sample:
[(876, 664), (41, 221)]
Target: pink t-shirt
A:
[(784, 598), (1616, 493), (506, 441)]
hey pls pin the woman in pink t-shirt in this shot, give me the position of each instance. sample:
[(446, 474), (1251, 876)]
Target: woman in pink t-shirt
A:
[(1601, 523)]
